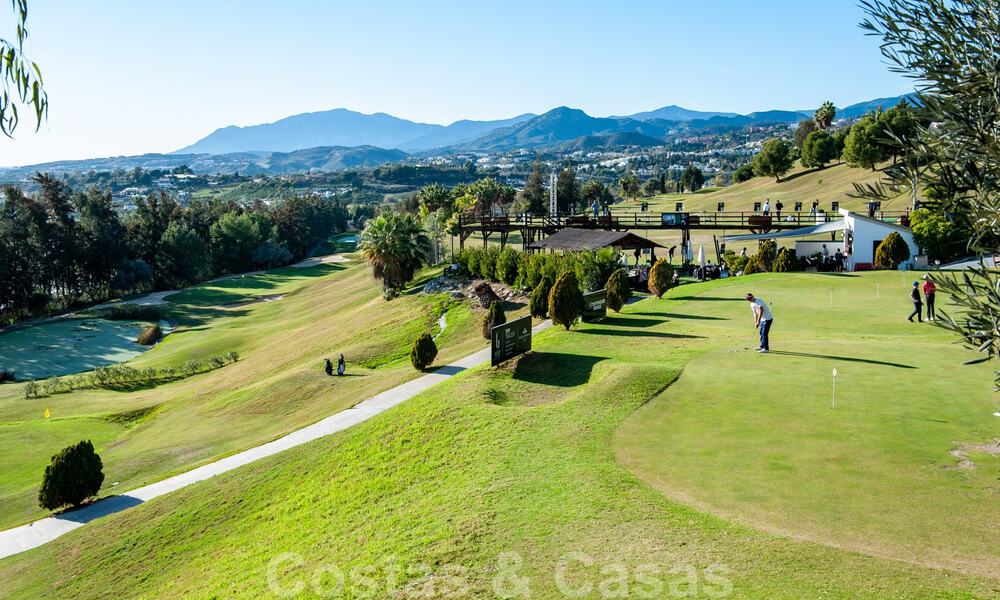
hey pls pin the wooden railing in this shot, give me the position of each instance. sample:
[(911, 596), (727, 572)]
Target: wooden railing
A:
[(650, 220)]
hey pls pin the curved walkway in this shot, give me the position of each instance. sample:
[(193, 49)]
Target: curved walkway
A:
[(26, 537)]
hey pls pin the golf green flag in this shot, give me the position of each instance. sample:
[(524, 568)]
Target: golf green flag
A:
[(46, 413)]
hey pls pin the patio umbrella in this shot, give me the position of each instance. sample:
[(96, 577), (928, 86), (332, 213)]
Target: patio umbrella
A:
[(701, 256)]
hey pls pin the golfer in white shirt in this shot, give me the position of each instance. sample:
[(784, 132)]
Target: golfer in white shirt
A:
[(762, 319)]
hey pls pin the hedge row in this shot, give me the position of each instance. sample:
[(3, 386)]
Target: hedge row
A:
[(118, 376), (526, 271)]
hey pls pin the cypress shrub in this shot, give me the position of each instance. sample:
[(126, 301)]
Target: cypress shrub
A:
[(892, 252), (74, 475), (488, 264), (755, 265), (494, 316), (618, 290), (424, 352), (786, 261), (767, 252), (507, 264), (660, 276), (565, 300), (539, 305), (150, 335)]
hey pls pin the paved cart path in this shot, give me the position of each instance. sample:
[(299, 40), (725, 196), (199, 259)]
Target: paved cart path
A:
[(26, 537)]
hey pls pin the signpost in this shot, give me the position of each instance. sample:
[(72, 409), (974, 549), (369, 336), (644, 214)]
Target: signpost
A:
[(510, 339), (595, 306)]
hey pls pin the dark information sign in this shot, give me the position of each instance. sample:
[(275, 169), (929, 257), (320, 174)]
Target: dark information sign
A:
[(674, 219), (510, 339), (595, 306)]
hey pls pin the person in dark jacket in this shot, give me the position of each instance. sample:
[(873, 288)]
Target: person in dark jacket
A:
[(918, 303), (329, 367)]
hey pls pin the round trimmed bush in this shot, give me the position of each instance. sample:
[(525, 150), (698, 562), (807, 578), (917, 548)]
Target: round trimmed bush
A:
[(661, 275), (74, 475), (539, 304), (494, 316), (565, 300), (424, 352), (618, 289), (892, 252)]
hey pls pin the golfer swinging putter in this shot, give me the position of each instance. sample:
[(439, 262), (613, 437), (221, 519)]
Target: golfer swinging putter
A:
[(762, 318)]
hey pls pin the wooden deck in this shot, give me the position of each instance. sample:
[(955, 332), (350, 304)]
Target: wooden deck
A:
[(533, 228)]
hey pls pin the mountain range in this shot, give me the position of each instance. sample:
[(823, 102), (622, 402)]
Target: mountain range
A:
[(345, 128), (344, 139)]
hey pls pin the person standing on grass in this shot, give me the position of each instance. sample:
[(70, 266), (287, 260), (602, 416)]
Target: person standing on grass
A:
[(329, 367), (670, 253), (929, 290), (767, 207), (762, 319), (777, 209), (596, 207), (918, 303)]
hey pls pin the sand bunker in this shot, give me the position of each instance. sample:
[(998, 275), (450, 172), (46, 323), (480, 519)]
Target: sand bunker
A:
[(65, 346)]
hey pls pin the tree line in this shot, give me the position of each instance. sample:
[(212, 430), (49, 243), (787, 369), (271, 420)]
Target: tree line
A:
[(62, 247)]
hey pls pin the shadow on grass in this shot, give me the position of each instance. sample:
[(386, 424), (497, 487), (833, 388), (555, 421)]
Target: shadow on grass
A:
[(619, 321), (828, 274), (233, 289), (194, 318), (555, 368), (95, 510), (845, 359), (680, 316), (708, 299), (640, 334)]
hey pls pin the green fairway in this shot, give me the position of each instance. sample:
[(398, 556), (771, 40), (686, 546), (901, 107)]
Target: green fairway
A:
[(540, 458), (278, 384)]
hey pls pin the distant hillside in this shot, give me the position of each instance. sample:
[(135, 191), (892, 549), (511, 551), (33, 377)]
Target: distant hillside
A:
[(340, 127), (862, 108), (328, 158), (833, 184), (559, 126), (608, 141), (678, 113), (458, 132)]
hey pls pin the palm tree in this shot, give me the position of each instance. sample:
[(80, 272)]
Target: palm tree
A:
[(824, 115), (395, 245)]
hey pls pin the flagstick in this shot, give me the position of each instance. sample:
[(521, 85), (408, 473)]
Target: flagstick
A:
[(833, 401)]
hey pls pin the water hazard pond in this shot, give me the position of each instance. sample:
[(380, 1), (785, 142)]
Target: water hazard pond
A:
[(65, 346)]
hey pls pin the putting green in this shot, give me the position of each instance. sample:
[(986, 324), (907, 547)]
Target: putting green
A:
[(64, 346), (902, 468)]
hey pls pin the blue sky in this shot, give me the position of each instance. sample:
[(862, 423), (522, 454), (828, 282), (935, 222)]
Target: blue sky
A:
[(130, 77)]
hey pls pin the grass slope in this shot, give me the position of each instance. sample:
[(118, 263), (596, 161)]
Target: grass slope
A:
[(525, 459), (277, 386), (832, 184)]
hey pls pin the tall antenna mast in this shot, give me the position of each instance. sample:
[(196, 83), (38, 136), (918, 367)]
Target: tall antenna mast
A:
[(553, 206)]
